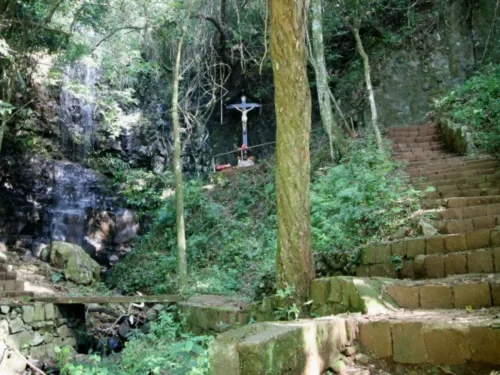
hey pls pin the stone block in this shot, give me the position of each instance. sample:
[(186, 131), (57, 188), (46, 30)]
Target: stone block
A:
[(436, 297), (407, 271), (28, 313), (480, 261), (419, 267), (447, 346), (451, 214), (478, 239), (495, 237), (39, 312), (415, 247), (363, 271), (455, 264), (405, 296), (49, 311), (487, 222), (475, 295), (485, 344), (434, 245), (16, 325), (383, 270), (434, 266), (408, 343), (455, 243), (319, 291), (460, 226), (495, 294), (399, 248), (496, 259), (376, 254), (19, 340), (375, 338), (9, 285)]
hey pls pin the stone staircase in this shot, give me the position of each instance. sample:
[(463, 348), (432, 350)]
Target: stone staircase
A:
[(448, 292), (426, 305), (10, 287)]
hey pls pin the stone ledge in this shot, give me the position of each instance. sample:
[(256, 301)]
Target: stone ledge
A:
[(293, 348)]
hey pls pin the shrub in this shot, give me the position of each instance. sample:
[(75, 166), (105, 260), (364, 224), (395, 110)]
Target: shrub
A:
[(476, 104)]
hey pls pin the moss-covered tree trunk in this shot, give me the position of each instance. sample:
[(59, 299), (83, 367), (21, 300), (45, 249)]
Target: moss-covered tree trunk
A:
[(6, 97), (294, 260), (369, 87), (335, 136), (179, 193)]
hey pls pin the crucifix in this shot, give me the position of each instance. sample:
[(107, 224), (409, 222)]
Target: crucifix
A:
[(244, 108)]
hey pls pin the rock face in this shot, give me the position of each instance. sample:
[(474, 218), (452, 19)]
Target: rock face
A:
[(76, 264), (412, 78)]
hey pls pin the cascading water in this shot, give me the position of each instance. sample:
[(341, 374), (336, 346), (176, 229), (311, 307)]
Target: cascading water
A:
[(76, 193), (77, 103), (76, 190)]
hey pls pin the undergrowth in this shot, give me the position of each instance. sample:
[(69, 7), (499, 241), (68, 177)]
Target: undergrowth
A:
[(476, 104), (231, 226), (164, 349)]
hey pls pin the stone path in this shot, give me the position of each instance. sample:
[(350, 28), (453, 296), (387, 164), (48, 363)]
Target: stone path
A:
[(448, 299)]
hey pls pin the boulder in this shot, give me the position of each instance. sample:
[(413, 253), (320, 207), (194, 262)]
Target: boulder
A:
[(76, 264), (426, 228), (126, 227)]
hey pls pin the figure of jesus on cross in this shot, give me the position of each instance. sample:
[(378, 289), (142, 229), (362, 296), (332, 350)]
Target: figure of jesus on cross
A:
[(244, 108)]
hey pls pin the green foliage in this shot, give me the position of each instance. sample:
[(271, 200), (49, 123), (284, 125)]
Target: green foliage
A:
[(230, 232), (287, 309), (165, 349), (364, 198), (476, 104)]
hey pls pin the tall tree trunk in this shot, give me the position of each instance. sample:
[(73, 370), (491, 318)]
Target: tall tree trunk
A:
[(335, 136), (7, 94), (369, 87), (179, 193), (294, 260)]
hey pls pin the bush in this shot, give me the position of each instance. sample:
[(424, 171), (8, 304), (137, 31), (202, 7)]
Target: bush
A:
[(230, 233), (476, 104), (363, 199)]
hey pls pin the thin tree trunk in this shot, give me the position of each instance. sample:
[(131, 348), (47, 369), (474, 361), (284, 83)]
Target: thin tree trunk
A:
[(179, 193), (369, 87), (294, 260), (7, 95), (335, 136)]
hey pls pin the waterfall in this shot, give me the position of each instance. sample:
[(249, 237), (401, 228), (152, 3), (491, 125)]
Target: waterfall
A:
[(77, 192), (77, 103)]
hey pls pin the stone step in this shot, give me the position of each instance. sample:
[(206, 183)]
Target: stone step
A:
[(441, 265), (454, 292), (448, 160), (8, 276), (16, 294), (464, 193), (469, 212), (461, 202), (463, 166), (439, 337), (419, 160), (493, 176), (11, 285), (435, 178), (466, 225), (427, 142), (417, 129), (404, 258)]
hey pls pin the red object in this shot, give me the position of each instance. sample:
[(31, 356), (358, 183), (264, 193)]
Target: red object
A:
[(219, 168), (243, 146)]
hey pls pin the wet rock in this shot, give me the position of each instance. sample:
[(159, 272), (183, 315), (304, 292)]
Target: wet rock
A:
[(126, 227), (76, 264)]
